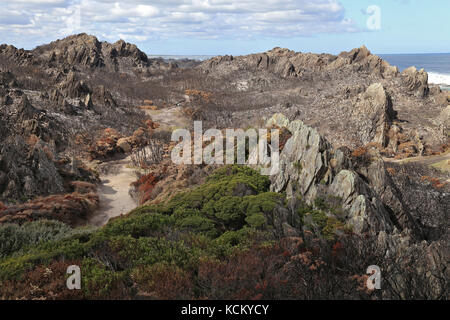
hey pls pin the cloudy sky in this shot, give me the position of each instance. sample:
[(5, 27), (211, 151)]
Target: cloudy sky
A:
[(234, 27)]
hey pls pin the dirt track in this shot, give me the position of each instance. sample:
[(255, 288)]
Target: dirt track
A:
[(115, 199), (429, 160)]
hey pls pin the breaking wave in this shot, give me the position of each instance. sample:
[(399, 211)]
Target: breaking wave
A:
[(438, 78)]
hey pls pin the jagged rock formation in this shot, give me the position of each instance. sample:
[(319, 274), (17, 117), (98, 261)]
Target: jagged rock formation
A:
[(416, 82), (373, 115), (376, 200), (286, 63), (444, 118), (353, 99), (311, 168), (54, 98), (86, 51), (19, 56)]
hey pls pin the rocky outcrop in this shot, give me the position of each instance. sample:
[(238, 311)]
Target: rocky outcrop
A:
[(19, 56), (373, 115), (378, 178), (362, 60), (7, 80), (72, 87), (287, 63), (26, 177), (352, 99), (366, 212), (87, 51), (311, 169), (101, 96), (444, 118), (416, 82)]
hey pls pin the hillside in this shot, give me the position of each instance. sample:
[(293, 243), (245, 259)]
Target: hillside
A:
[(86, 176)]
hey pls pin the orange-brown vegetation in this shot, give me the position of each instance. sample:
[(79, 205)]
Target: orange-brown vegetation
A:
[(83, 187), (400, 156), (145, 186), (48, 282), (2, 206), (435, 182), (199, 94), (285, 135), (106, 144), (391, 171), (361, 151), (111, 142), (445, 147), (151, 125), (408, 148), (43, 283), (374, 145), (67, 208), (48, 152), (164, 282)]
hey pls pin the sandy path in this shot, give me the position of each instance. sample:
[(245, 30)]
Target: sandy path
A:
[(115, 199), (169, 118), (429, 160)]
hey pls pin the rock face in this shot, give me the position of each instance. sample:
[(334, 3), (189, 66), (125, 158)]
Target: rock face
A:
[(311, 168), (444, 118), (31, 140), (36, 174), (286, 63), (373, 115), (86, 51), (416, 82), (352, 99)]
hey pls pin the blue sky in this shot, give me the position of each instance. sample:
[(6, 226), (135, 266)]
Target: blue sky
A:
[(212, 27)]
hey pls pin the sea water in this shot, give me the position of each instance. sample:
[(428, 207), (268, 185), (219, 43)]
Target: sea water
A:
[(436, 64)]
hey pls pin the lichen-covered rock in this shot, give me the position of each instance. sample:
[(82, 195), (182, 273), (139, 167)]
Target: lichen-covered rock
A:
[(310, 168), (366, 213), (32, 175), (373, 115)]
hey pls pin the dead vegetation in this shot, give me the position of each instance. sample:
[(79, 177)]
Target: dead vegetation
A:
[(70, 208)]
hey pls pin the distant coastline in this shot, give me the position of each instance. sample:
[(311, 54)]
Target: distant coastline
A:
[(181, 57), (436, 64)]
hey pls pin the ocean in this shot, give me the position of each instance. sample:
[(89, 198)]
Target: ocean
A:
[(437, 65)]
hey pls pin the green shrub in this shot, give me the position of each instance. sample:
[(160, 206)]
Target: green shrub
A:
[(14, 238), (225, 213), (256, 220), (145, 224)]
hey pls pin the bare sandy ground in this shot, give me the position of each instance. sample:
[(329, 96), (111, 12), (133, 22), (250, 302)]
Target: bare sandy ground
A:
[(115, 199), (169, 118)]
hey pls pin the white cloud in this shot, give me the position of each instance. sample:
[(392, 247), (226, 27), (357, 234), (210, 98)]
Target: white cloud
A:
[(141, 20)]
